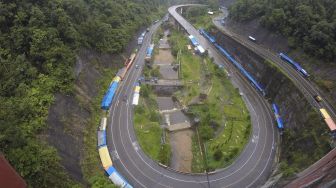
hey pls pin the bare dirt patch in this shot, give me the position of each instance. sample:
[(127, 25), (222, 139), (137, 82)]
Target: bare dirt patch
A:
[(163, 57), (181, 145)]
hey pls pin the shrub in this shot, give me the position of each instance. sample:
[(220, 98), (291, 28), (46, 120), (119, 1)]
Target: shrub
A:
[(218, 155)]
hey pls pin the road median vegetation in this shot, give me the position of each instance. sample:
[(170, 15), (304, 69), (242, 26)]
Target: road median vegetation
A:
[(221, 117)]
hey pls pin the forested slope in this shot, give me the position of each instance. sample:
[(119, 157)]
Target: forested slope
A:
[(39, 41), (310, 25)]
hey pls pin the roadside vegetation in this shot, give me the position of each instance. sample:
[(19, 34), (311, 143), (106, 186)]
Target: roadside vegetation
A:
[(39, 43), (306, 25), (199, 16), (295, 152), (147, 127), (309, 27), (147, 118), (91, 164), (224, 123)]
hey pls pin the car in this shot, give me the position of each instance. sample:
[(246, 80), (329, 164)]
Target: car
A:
[(252, 38), (318, 98), (137, 66)]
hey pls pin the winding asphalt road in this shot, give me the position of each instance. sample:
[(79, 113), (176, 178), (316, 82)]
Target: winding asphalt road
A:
[(251, 168), (308, 88)]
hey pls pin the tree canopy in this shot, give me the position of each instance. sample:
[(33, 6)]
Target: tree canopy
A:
[(310, 25), (38, 45)]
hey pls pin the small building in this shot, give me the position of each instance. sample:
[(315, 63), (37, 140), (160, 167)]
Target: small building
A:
[(210, 13)]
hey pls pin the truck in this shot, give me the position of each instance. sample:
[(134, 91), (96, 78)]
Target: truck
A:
[(140, 40), (149, 53), (318, 98), (141, 37)]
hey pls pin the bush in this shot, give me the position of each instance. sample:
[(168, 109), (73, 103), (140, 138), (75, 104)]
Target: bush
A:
[(139, 109), (154, 116), (145, 91), (218, 155), (206, 132), (156, 72), (164, 156)]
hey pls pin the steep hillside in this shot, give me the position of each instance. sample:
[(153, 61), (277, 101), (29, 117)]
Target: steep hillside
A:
[(304, 30), (310, 25), (304, 128), (39, 44)]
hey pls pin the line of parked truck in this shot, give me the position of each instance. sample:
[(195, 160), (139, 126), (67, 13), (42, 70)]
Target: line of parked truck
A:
[(104, 154), (108, 97), (328, 120), (324, 113), (252, 80), (105, 157)]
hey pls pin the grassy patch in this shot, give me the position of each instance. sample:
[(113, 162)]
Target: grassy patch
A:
[(147, 127), (191, 72), (158, 35), (224, 120), (197, 161), (225, 124), (190, 67), (199, 17)]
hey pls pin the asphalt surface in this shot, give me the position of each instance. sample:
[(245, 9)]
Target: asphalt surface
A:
[(307, 87), (251, 168)]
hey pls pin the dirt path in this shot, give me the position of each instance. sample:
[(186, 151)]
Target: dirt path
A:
[(164, 57), (180, 141), (181, 145)]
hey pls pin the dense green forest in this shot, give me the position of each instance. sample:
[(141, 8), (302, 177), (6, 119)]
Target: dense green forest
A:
[(310, 25), (39, 41)]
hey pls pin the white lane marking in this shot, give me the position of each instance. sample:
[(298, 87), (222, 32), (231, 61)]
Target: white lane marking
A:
[(128, 89), (269, 157), (258, 133), (190, 181), (255, 139), (253, 90), (227, 167), (235, 171), (135, 145), (259, 158), (112, 117), (122, 87), (115, 155), (264, 143), (113, 142)]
